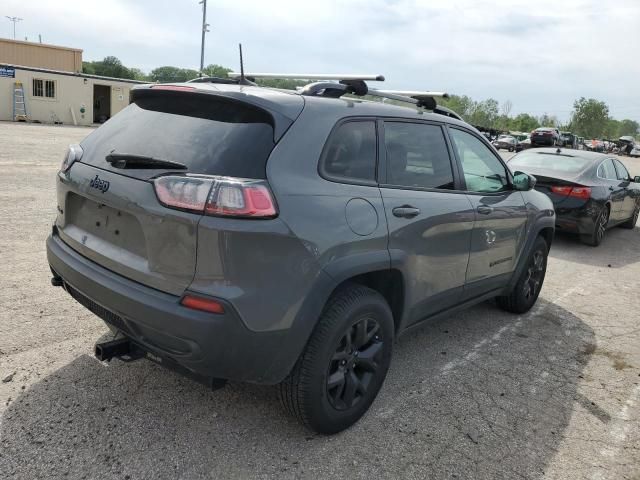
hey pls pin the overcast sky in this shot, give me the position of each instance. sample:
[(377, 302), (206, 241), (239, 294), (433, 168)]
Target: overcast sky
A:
[(539, 54)]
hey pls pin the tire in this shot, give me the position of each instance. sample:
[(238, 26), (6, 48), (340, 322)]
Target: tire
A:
[(511, 149), (595, 238), (631, 223), (356, 319), (528, 286)]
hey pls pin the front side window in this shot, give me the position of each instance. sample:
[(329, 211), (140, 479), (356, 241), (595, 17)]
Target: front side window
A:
[(623, 174), (417, 156), (606, 170), (350, 153), (483, 172)]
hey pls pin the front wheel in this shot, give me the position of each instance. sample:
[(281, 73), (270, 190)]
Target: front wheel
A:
[(528, 286), (631, 223), (343, 366)]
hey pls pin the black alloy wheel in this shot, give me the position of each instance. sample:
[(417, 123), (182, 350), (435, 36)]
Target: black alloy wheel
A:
[(631, 223), (599, 229), (354, 363), (528, 285), (534, 275)]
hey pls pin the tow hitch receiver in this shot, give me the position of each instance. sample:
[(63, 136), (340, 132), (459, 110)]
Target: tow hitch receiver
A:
[(122, 348), (125, 350)]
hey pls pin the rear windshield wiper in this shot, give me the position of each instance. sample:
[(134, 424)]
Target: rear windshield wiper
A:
[(130, 160)]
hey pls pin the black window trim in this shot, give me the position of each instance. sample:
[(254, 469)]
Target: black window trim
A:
[(346, 180), (491, 149), (382, 156)]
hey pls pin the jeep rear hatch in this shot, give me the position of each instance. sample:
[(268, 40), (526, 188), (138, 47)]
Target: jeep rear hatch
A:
[(108, 207)]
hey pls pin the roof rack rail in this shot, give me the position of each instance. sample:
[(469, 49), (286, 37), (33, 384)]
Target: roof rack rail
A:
[(310, 76)]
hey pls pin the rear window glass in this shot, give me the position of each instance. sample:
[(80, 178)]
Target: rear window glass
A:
[(209, 135), (550, 161)]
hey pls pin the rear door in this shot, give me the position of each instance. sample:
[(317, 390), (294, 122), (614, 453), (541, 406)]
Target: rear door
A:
[(429, 221), (109, 212), (500, 214)]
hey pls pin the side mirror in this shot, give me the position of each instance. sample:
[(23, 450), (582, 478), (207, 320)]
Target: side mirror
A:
[(523, 181), (636, 179)]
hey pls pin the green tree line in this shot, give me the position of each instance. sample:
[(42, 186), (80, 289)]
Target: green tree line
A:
[(590, 117)]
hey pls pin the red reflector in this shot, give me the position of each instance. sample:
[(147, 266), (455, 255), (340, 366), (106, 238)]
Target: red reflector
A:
[(200, 303), (172, 87), (576, 192)]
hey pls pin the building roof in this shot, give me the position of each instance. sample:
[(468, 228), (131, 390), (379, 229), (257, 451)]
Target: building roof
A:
[(38, 44), (72, 74)]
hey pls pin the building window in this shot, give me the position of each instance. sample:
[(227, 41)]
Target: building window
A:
[(44, 88)]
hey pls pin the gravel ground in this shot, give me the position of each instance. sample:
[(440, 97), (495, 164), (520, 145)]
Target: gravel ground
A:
[(483, 394)]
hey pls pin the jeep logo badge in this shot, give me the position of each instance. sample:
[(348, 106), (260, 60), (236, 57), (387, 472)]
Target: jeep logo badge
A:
[(99, 184)]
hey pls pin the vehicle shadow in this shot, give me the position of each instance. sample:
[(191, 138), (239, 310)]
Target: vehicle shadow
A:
[(619, 248), (483, 394)]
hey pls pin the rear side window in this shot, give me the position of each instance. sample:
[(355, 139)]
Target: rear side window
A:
[(606, 170), (350, 153), (208, 134), (417, 156)]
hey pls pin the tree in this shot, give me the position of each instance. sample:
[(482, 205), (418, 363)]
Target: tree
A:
[(525, 122), (485, 113), (214, 70), (506, 108), (108, 67), (590, 117), (628, 127), (547, 120), (172, 74), (462, 105)]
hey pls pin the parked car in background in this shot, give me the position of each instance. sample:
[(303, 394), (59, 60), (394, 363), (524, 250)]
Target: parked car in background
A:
[(591, 192), (545, 136), (243, 233), (635, 151), (506, 142), (568, 140), (626, 145)]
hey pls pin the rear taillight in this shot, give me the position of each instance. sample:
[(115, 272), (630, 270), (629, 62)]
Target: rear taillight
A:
[(74, 153), (217, 196), (577, 192), (201, 303)]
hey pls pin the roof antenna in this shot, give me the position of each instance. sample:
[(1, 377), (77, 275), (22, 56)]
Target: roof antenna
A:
[(242, 79)]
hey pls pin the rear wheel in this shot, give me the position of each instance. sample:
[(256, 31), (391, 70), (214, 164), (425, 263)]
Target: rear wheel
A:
[(343, 366), (600, 227), (631, 223), (527, 288)]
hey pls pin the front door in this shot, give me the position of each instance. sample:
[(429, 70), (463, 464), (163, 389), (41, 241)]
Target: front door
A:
[(607, 172), (429, 222), (629, 201), (500, 214)]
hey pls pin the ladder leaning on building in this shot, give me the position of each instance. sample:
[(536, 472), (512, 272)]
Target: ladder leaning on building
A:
[(19, 107)]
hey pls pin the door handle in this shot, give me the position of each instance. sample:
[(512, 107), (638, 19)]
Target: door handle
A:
[(406, 211), (484, 210)]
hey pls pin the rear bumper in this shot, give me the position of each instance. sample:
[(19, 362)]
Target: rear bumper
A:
[(578, 220), (542, 141), (210, 345)]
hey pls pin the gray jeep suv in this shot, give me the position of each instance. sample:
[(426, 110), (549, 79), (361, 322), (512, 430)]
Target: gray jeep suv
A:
[(243, 233)]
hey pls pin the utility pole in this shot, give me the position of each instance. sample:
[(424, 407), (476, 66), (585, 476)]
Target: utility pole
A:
[(18, 19), (205, 29)]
